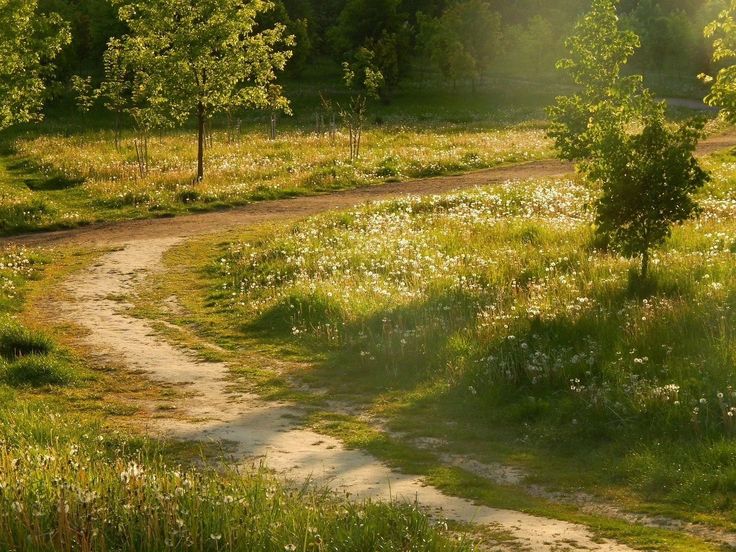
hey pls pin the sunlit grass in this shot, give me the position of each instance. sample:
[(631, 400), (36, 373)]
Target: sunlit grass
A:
[(70, 179), (70, 482), (500, 302)]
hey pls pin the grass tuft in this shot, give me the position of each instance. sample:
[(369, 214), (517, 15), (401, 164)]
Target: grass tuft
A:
[(37, 371), (18, 341)]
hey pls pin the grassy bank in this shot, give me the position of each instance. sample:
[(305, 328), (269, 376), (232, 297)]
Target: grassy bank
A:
[(70, 482)]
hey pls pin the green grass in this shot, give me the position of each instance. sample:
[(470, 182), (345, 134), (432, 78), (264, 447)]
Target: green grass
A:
[(67, 171), (71, 482), (84, 179), (490, 321), (71, 485)]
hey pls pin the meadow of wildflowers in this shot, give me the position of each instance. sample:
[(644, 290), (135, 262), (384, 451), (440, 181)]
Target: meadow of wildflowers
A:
[(70, 483), (497, 307), (91, 180)]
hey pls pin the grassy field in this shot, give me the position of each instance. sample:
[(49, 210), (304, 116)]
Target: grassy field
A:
[(490, 323), (68, 171), (486, 323), (70, 481)]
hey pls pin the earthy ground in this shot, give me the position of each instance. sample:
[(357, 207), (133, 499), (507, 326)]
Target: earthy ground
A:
[(263, 430)]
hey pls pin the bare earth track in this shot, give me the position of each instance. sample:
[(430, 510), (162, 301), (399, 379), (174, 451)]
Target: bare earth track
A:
[(258, 429)]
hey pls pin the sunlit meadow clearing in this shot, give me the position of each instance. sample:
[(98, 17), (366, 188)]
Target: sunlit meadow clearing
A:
[(92, 180), (496, 308)]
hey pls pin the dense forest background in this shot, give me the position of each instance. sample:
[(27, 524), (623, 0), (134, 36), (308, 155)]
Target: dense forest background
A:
[(454, 42)]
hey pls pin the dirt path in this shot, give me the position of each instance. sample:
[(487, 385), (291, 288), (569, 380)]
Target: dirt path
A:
[(260, 430), (256, 428), (194, 225)]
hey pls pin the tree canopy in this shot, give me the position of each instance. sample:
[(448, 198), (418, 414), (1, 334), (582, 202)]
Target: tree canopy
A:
[(29, 41), (201, 57), (514, 38)]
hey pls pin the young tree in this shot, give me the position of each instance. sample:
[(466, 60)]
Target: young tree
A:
[(201, 57), (723, 90), (116, 88), (29, 41), (647, 176), (606, 101), (84, 92), (277, 103), (365, 80), (380, 26), (648, 184)]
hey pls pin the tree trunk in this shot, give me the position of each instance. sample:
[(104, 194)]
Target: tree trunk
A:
[(645, 264), (200, 141), (117, 131)]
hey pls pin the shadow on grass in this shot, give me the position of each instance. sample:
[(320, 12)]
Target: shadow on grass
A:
[(617, 349), (24, 171)]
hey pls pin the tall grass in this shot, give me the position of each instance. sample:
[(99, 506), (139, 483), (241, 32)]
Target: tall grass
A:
[(500, 301), (71, 485)]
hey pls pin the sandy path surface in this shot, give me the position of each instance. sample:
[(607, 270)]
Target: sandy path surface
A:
[(261, 430)]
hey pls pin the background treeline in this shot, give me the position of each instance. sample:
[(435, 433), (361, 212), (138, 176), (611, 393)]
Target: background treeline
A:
[(456, 42)]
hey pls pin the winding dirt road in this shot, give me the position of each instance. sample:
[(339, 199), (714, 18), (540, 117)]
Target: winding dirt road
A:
[(262, 430), (259, 430)]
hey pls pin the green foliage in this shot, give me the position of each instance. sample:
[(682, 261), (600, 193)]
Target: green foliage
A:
[(376, 25), (464, 41), (672, 46), (365, 79), (607, 101), (85, 94), (297, 24), (670, 40), (648, 180), (647, 176), (29, 41), (723, 90), (91, 23), (533, 47), (201, 58)]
